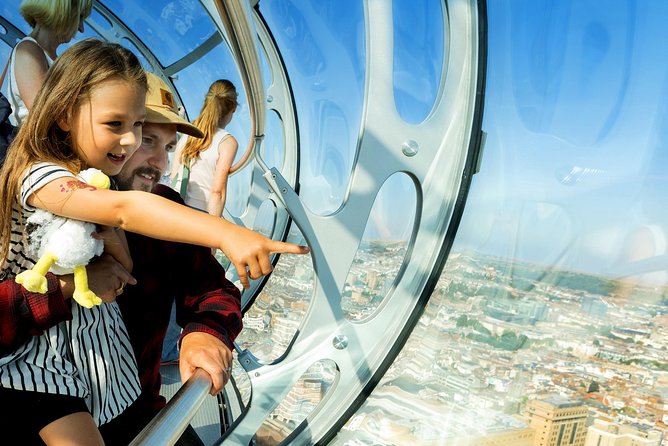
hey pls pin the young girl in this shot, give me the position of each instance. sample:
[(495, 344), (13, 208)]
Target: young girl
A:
[(89, 114), (211, 157)]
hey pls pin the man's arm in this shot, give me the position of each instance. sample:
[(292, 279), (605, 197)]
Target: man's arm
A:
[(210, 313), (24, 314), (208, 307)]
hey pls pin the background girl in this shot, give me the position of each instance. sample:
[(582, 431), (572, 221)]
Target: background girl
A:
[(210, 157)]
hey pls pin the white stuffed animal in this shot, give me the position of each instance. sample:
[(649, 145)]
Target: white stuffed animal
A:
[(64, 246)]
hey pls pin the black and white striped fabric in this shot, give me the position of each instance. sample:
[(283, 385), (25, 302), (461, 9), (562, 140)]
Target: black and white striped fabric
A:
[(90, 356)]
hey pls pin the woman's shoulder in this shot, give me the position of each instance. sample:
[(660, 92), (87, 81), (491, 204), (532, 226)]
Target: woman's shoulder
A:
[(28, 45), (223, 135), (29, 50)]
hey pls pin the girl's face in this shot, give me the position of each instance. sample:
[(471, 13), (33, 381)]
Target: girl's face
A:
[(107, 128)]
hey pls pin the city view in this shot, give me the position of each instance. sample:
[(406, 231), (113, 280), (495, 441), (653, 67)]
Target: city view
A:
[(506, 353)]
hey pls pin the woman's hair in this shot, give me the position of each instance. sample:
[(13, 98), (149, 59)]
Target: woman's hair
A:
[(69, 82), (220, 100), (61, 16)]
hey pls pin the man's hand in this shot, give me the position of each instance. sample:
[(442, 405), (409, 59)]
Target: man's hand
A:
[(115, 244), (208, 353), (105, 276)]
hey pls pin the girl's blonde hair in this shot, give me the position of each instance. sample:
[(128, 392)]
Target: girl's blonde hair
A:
[(69, 82), (220, 100), (61, 16)]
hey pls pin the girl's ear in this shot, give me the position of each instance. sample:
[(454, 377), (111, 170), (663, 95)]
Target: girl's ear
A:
[(63, 124)]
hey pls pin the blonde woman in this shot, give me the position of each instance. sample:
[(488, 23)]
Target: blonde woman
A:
[(210, 158), (53, 23)]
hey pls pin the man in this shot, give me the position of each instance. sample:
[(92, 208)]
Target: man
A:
[(207, 304)]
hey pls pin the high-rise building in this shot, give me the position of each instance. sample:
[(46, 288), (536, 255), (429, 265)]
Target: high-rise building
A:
[(557, 421), (605, 432)]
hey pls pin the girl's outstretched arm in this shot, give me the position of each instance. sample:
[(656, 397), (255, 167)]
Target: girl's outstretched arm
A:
[(157, 217)]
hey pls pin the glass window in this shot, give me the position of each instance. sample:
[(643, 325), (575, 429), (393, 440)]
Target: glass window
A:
[(10, 11), (271, 323), (554, 297), (328, 89), (418, 57), (300, 401), (171, 29), (382, 249)]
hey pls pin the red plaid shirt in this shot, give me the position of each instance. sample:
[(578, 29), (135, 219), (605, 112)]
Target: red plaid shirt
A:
[(24, 314), (205, 300)]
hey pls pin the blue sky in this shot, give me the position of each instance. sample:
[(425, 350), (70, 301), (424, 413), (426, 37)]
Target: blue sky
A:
[(574, 112)]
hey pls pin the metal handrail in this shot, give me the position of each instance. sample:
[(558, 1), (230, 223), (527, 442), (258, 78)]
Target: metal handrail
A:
[(166, 428)]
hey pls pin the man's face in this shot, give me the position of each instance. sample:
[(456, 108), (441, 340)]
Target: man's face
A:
[(145, 167)]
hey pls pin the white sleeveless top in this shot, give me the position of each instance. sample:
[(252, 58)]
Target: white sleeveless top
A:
[(19, 109), (202, 171), (88, 357)]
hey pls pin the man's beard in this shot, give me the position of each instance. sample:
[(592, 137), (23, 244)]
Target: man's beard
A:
[(127, 182)]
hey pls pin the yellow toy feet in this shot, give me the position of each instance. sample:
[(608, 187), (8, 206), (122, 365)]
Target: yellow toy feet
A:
[(82, 294), (32, 281), (86, 298)]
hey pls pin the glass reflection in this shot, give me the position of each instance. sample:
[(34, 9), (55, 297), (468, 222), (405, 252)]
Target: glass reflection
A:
[(302, 399), (418, 57), (10, 11), (171, 29), (274, 318), (322, 46), (382, 249), (548, 323), (265, 218), (273, 146)]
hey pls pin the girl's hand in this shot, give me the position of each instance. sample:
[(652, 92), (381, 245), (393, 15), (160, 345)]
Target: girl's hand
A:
[(115, 244), (249, 252)]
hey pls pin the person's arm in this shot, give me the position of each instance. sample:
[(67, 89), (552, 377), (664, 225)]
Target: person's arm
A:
[(227, 150), (208, 307), (30, 67), (24, 314), (138, 212), (115, 244)]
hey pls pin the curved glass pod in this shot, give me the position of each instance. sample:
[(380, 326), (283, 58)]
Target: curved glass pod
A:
[(433, 153), (554, 295)]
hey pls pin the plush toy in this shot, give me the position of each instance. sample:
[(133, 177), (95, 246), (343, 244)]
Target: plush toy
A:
[(63, 246)]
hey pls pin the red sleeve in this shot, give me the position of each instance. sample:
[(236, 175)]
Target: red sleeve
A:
[(206, 301), (211, 303), (24, 314)]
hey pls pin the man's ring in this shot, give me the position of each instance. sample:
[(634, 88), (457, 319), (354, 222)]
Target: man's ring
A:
[(228, 370), (119, 291)]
